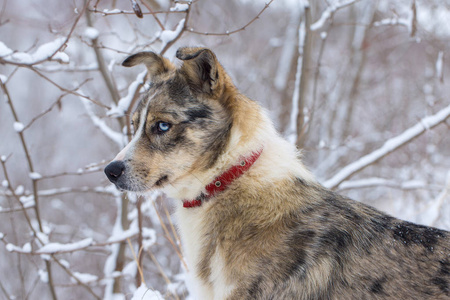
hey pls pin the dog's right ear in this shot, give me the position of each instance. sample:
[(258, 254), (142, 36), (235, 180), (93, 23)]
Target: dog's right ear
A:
[(155, 63)]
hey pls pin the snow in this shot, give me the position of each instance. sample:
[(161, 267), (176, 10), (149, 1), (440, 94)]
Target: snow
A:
[(115, 136), (85, 277), (434, 18), (26, 248), (292, 137), (22, 58), (65, 263), (389, 146), (27, 201), (328, 12), (169, 35), (288, 51), (42, 237), (439, 64), (18, 127), (431, 213), (130, 269), (44, 52), (61, 57), (19, 190), (91, 33), (57, 247), (112, 11), (35, 175), (110, 263), (144, 293), (149, 236), (43, 276), (180, 7), (4, 50), (395, 21), (119, 235), (124, 103), (48, 49)]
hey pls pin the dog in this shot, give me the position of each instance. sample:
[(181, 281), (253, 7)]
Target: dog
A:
[(253, 221)]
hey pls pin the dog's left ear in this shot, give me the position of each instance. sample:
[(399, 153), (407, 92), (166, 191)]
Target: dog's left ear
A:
[(155, 63), (201, 68)]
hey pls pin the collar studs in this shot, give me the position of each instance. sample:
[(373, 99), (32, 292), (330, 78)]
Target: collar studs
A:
[(242, 163), (218, 183)]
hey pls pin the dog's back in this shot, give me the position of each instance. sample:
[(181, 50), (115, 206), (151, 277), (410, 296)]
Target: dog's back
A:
[(335, 248), (254, 223)]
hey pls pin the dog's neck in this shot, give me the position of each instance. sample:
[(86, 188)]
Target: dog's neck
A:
[(221, 182)]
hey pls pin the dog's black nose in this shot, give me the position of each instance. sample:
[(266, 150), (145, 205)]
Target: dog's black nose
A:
[(114, 170)]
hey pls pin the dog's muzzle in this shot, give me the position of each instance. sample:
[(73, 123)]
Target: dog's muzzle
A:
[(114, 170)]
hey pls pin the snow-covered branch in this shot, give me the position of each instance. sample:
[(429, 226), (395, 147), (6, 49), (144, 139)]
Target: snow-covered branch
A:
[(329, 12), (382, 182), (388, 147), (115, 136)]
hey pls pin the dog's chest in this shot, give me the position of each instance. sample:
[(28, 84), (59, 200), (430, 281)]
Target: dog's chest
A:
[(195, 247)]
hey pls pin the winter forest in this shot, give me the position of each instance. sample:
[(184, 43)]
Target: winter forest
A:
[(360, 86)]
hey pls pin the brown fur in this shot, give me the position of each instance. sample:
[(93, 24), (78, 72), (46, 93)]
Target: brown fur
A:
[(274, 233)]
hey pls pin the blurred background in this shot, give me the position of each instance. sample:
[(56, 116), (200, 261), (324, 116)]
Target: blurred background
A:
[(343, 80)]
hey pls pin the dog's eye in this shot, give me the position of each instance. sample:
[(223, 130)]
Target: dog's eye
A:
[(162, 127)]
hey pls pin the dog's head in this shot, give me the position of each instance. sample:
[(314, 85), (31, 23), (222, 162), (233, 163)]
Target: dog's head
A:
[(181, 124)]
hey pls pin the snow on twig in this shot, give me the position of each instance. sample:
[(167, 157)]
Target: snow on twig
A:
[(375, 181), (47, 51), (328, 13), (115, 136), (439, 66), (124, 103), (52, 248), (167, 36), (388, 147)]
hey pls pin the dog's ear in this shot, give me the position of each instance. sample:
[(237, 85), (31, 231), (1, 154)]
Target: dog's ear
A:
[(155, 63), (201, 69)]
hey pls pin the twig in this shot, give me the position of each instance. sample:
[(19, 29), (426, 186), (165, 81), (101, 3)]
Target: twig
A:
[(137, 261), (153, 14), (169, 44), (52, 106), (61, 47), (161, 271), (67, 90), (191, 30), (88, 288), (102, 66), (139, 279), (305, 52), (167, 235)]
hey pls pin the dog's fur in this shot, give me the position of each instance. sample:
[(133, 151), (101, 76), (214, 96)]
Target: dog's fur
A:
[(274, 233)]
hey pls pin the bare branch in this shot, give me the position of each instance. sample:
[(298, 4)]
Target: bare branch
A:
[(191, 30)]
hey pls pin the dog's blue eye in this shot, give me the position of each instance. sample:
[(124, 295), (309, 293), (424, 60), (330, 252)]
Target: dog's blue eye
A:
[(163, 126)]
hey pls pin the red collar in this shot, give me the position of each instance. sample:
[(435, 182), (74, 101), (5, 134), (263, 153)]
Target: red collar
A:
[(221, 182)]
